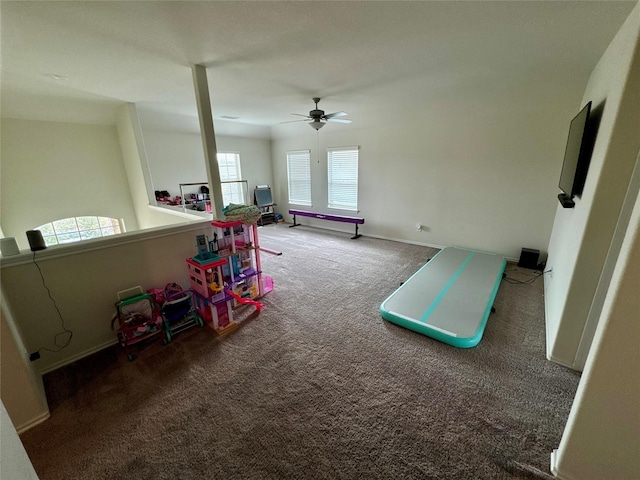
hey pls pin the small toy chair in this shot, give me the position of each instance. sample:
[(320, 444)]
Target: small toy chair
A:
[(179, 314)]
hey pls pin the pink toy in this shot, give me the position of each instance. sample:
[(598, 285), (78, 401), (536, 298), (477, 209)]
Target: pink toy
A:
[(157, 294), (246, 301)]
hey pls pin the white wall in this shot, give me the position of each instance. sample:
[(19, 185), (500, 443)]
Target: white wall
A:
[(174, 158), (21, 387), (83, 279), (602, 437), (582, 236), (14, 461), (479, 171), (255, 159), (176, 155), (53, 170), (137, 170)]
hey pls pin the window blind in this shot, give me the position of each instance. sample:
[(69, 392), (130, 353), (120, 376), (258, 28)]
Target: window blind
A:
[(342, 165), (299, 177)]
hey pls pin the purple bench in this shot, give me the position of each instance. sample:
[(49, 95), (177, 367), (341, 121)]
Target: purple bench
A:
[(327, 216)]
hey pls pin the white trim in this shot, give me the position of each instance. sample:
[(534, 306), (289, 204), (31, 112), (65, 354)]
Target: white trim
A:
[(553, 464), (78, 356), (399, 240), (35, 421), (421, 244), (554, 468), (547, 329), (348, 147), (553, 359)]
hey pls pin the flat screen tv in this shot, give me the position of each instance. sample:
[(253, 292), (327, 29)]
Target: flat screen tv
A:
[(576, 158)]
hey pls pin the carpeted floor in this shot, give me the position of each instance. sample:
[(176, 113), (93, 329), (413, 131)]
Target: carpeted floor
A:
[(317, 386)]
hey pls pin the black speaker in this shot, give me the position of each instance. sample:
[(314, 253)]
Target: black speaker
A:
[(529, 258), (36, 242)]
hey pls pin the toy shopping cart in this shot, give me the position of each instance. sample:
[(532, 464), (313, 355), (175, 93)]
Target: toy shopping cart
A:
[(178, 313), (138, 318)]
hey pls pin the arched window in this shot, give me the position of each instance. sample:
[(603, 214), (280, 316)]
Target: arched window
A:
[(76, 229)]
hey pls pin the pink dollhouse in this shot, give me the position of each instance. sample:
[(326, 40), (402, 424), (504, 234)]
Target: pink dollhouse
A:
[(226, 274)]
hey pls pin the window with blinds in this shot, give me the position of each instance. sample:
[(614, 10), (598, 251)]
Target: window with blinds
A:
[(299, 177), (229, 167), (342, 165)]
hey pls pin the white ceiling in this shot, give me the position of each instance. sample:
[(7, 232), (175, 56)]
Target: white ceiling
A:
[(265, 60)]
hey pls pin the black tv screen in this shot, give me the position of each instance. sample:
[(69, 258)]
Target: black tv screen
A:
[(576, 155)]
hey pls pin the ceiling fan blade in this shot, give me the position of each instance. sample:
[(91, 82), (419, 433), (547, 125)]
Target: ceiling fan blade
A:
[(293, 121), (338, 120), (301, 115), (336, 114)]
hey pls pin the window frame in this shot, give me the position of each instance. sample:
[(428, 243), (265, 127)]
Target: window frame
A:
[(338, 195), (231, 191), (301, 184), (74, 233)]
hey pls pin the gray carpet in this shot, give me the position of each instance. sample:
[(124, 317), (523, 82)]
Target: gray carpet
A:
[(317, 386)]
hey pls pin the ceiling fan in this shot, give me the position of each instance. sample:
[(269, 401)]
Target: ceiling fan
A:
[(317, 116)]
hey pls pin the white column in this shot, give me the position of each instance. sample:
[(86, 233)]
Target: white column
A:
[(207, 132)]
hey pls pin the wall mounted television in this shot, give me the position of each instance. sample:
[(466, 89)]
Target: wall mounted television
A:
[(577, 156)]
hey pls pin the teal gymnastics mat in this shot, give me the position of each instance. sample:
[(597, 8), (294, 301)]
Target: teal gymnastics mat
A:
[(449, 298)]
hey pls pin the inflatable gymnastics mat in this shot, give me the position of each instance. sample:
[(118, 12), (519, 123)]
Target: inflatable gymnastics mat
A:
[(449, 298)]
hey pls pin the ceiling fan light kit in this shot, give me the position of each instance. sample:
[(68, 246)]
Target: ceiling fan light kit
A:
[(317, 116), (316, 124)]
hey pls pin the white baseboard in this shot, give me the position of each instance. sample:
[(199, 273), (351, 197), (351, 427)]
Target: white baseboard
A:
[(78, 356), (392, 239), (38, 419), (568, 365), (554, 468), (33, 422), (381, 237)]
